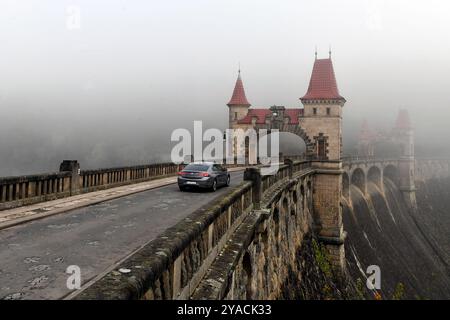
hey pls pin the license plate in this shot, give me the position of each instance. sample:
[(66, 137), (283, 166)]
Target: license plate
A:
[(191, 182)]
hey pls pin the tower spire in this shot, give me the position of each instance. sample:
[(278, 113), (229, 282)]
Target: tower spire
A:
[(238, 98), (329, 52), (323, 85), (315, 53)]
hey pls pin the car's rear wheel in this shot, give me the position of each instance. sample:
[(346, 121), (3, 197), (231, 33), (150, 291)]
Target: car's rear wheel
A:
[(214, 186), (228, 181), (182, 188)]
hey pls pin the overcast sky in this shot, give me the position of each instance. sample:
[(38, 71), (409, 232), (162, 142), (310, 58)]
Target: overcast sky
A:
[(109, 90)]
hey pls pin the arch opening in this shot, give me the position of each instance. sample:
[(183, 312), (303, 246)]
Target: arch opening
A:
[(374, 175), (391, 172), (289, 145), (293, 139), (358, 179)]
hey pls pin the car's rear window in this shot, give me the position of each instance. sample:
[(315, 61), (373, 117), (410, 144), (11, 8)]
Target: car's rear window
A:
[(196, 167)]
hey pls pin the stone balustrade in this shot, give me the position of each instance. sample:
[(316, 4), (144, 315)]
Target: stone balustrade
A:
[(23, 190), (92, 180), (30, 189)]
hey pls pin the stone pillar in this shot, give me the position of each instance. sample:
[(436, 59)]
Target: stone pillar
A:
[(406, 180), (74, 167), (254, 175), (327, 193), (405, 136)]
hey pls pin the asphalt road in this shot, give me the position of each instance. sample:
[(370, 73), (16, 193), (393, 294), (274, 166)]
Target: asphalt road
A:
[(34, 256)]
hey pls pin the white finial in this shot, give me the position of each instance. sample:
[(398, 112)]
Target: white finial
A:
[(315, 53), (329, 52)]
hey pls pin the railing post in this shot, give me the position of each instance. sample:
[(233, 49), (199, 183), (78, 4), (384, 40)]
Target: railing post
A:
[(254, 175), (74, 167)]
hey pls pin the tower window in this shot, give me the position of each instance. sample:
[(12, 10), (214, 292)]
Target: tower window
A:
[(328, 111), (235, 116), (315, 111)]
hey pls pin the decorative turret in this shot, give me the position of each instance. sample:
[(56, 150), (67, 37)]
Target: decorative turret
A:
[(238, 98), (404, 133), (365, 141), (238, 104)]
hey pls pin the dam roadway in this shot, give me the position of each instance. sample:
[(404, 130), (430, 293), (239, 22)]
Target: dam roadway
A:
[(34, 255)]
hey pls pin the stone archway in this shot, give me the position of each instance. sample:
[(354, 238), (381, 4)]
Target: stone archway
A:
[(391, 172), (359, 179), (374, 175), (294, 129)]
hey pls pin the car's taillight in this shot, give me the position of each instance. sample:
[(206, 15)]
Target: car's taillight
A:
[(205, 174), (180, 173)]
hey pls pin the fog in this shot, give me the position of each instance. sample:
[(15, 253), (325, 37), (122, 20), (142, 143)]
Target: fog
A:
[(109, 90)]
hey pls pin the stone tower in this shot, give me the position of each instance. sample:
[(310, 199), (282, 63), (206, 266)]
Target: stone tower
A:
[(365, 147), (322, 121), (322, 116), (404, 135)]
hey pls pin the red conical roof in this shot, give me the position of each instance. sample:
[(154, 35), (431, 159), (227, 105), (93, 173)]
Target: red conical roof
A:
[(239, 97), (403, 121), (323, 82)]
